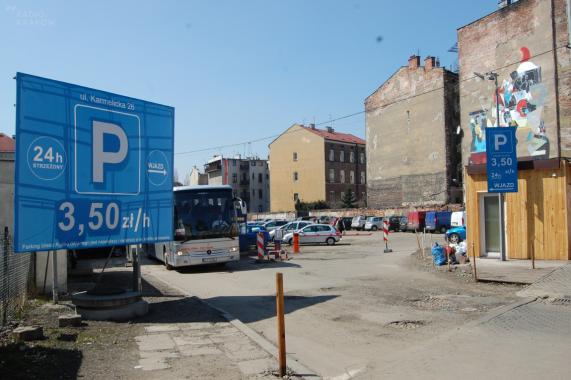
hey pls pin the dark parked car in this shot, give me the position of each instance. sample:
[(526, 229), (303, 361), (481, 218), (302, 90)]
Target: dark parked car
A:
[(403, 223), (394, 223)]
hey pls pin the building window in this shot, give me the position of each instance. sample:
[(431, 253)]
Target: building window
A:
[(363, 196), (295, 176), (267, 176), (331, 155), (260, 177), (295, 156), (352, 157), (352, 176), (260, 194), (253, 163), (253, 176), (362, 178), (234, 177), (331, 175), (332, 196), (342, 195), (233, 162), (342, 156), (253, 193), (295, 197), (342, 176), (362, 157)]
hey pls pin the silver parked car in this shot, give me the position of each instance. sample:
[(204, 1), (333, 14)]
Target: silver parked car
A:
[(374, 223), (273, 224), (315, 234), (290, 227)]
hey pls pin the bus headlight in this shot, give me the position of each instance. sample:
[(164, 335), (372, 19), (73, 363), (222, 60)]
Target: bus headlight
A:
[(234, 249), (180, 253)]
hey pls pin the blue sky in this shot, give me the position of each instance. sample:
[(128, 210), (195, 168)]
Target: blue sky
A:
[(235, 71)]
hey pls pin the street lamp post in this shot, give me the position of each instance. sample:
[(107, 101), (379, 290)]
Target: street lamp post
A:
[(494, 76)]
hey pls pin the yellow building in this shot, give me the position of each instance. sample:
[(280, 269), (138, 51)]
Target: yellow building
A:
[(312, 164)]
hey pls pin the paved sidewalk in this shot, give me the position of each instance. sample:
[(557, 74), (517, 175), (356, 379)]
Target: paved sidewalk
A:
[(556, 284), (219, 344), (185, 338)]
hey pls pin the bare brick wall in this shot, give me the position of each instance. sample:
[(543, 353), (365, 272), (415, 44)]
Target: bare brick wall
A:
[(561, 25), (410, 126), (453, 139)]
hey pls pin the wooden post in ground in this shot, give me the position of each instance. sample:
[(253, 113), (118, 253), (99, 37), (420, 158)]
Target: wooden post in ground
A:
[(418, 242), (281, 324), (533, 255), (474, 263)]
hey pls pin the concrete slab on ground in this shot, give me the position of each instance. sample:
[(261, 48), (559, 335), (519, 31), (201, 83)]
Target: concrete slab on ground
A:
[(514, 271)]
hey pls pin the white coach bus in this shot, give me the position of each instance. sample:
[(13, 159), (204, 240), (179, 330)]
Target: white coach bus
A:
[(205, 228)]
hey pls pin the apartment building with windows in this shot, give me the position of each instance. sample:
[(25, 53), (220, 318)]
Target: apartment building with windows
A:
[(249, 178), (312, 164)]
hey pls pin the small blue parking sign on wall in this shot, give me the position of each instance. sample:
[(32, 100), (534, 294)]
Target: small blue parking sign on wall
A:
[(501, 163), (92, 168)]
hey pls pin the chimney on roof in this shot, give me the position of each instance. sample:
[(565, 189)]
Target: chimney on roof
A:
[(414, 61), (330, 130), (430, 63), (312, 126)]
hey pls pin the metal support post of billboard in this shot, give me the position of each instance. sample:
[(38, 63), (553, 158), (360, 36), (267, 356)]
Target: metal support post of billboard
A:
[(137, 284), (502, 216), (55, 291), (502, 229)]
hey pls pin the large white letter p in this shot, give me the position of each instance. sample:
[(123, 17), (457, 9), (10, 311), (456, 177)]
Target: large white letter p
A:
[(499, 140), (100, 157)]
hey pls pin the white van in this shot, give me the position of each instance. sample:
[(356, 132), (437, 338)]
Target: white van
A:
[(458, 219), (358, 222)]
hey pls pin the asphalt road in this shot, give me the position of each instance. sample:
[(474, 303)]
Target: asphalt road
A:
[(349, 306)]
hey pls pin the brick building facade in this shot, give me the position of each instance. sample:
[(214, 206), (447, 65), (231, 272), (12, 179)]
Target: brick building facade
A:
[(312, 164), (412, 145)]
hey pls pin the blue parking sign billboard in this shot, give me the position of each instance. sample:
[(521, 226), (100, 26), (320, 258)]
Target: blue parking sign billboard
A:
[(93, 168), (501, 164)]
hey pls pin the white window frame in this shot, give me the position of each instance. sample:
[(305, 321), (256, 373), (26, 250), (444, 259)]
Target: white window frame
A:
[(352, 177)]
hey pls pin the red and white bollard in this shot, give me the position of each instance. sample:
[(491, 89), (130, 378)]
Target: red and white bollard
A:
[(261, 246), (386, 235)]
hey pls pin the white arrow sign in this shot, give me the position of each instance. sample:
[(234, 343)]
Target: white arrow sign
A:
[(163, 172)]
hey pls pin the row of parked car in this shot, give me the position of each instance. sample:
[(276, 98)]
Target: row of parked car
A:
[(309, 231), (432, 221), (328, 230)]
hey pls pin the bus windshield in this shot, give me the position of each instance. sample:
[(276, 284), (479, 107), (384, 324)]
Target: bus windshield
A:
[(203, 214)]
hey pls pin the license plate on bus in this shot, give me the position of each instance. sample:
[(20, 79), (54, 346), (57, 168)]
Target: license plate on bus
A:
[(209, 260)]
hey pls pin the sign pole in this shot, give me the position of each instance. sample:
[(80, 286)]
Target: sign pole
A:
[(137, 285), (54, 277)]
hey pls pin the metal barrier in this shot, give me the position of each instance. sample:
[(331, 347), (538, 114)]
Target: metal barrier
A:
[(16, 279)]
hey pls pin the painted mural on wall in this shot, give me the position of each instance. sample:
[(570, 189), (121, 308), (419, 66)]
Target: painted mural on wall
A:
[(522, 98)]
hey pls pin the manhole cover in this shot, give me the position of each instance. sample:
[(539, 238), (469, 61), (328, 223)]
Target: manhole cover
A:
[(406, 324)]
